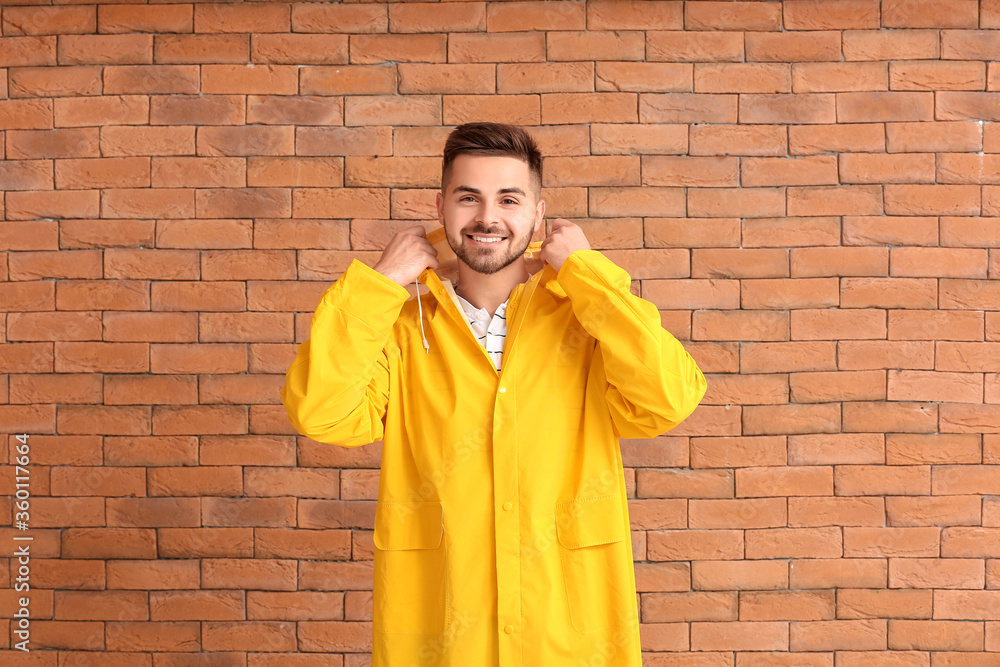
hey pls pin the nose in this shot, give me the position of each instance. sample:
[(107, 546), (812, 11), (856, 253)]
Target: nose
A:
[(489, 213)]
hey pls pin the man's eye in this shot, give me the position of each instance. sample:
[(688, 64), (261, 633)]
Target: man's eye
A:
[(510, 201)]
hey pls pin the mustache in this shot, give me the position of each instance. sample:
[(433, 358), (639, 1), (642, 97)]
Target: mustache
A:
[(483, 229)]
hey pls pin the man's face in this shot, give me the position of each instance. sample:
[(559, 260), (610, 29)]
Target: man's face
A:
[(489, 211)]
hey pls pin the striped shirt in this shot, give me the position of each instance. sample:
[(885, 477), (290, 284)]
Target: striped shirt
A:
[(491, 333)]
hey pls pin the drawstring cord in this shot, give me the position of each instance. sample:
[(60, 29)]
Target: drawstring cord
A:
[(420, 310)]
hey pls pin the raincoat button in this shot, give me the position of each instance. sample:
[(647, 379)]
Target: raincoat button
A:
[(509, 629), (503, 390), (507, 506)]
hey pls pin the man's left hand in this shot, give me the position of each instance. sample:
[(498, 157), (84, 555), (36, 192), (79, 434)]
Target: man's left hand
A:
[(564, 239)]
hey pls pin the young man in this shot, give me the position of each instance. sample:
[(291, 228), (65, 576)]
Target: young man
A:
[(501, 528)]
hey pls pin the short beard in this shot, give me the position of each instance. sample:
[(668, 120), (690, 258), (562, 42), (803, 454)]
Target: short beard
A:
[(483, 260)]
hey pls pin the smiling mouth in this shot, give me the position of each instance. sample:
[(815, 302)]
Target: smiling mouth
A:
[(485, 239)]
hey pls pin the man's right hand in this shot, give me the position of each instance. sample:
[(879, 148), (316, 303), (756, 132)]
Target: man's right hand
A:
[(407, 255)]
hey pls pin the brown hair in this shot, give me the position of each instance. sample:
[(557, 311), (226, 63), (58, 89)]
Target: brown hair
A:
[(492, 139)]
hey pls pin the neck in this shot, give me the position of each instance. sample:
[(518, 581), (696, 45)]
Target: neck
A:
[(489, 291)]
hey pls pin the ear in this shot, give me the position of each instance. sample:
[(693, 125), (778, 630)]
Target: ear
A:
[(539, 215), (440, 207)]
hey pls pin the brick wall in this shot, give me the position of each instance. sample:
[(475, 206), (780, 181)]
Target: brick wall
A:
[(796, 185)]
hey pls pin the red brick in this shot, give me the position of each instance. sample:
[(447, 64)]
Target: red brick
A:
[(786, 605), (739, 636), (836, 200), (958, 573), (939, 136), (677, 46), (151, 451), (859, 635), (57, 204), (685, 607), (888, 293), (817, 418), (492, 48), (189, 109), (838, 573), (900, 168), (811, 139), (195, 481), (837, 77), (625, 15), (103, 420), (937, 76), (838, 386), (254, 573), (90, 357), (903, 417), (101, 605), (456, 78), (783, 293), (196, 606), (125, 19), (201, 48), (736, 202), (199, 420), (811, 512), (186, 172), (727, 389), (967, 106), (968, 294), (935, 325), (813, 170), (106, 233), (39, 326), (895, 230), (794, 46), (836, 449), (860, 603), (152, 636), (739, 575), (905, 449), (690, 171), (339, 18), (92, 481), (749, 16), (525, 16), (835, 15), (784, 481), (932, 199), (240, 18), (967, 542), (243, 141), (369, 49), (759, 140), (643, 77), (788, 357), (595, 45), (49, 20), (110, 543), (891, 45), (930, 14), (934, 511), (105, 49), (962, 168), (205, 542)]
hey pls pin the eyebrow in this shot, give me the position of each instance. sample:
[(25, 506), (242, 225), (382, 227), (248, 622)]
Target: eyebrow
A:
[(476, 191)]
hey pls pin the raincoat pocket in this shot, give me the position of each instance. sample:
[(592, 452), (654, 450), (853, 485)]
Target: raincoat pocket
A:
[(411, 569), (595, 562)]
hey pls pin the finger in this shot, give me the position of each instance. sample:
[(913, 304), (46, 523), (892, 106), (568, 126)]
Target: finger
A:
[(560, 222), (416, 230)]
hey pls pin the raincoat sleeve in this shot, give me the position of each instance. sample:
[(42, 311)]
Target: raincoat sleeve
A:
[(653, 383), (337, 389)]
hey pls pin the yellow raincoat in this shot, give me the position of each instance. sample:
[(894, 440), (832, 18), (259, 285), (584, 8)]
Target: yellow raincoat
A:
[(501, 528)]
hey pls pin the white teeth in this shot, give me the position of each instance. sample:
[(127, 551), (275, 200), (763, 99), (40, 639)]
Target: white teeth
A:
[(486, 239)]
